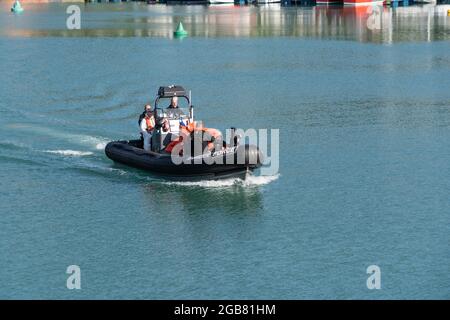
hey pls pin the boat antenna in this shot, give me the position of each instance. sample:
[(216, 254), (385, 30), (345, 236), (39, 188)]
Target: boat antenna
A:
[(191, 108)]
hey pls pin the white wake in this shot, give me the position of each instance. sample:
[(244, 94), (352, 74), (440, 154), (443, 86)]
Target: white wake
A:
[(248, 182), (93, 142), (70, 153)]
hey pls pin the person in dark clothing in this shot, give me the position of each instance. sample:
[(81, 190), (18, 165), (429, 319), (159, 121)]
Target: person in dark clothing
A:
[(173, 103), (173, 110)]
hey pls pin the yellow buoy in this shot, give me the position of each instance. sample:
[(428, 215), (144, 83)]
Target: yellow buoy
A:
[(448, 13)]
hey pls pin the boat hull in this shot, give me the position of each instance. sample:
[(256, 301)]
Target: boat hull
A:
[(215, 166)]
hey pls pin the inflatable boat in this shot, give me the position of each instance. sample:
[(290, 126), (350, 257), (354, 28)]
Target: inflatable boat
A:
[(215, 159)]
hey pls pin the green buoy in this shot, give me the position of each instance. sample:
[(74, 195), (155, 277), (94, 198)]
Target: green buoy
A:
[(180, 32), (16, 8)]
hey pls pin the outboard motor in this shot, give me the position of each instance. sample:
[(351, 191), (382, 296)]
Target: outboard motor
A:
[(248, 155)]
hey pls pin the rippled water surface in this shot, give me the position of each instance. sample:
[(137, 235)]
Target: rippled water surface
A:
[(364, 123)]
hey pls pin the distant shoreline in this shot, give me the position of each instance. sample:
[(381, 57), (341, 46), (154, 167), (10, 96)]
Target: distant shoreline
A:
[(103, 1), (68, 1), (44, 1)]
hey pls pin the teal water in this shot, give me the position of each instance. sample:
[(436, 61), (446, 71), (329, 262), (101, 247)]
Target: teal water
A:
[(364, 169)]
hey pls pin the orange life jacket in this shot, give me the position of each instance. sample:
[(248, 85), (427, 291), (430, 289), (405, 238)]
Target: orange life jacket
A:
[(172, 145), (185, 131), (150, 121), (194, 127)]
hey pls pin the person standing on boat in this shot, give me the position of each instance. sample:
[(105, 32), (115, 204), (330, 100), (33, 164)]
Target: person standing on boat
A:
[(147, 124), (173, 103), (173, 111)]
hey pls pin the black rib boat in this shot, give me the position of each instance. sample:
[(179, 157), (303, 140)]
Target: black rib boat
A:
[(224, 160)]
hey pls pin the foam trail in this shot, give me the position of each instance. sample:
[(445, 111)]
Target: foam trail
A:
[(97, 143), (260, 180), (12, 145), (100, 146), (248, 182), (98, 168), (70, 153)]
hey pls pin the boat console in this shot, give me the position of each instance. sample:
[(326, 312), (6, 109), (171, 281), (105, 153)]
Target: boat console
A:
[(175, 117)]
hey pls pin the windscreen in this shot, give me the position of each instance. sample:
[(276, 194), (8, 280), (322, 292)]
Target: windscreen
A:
[(165, 109)]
